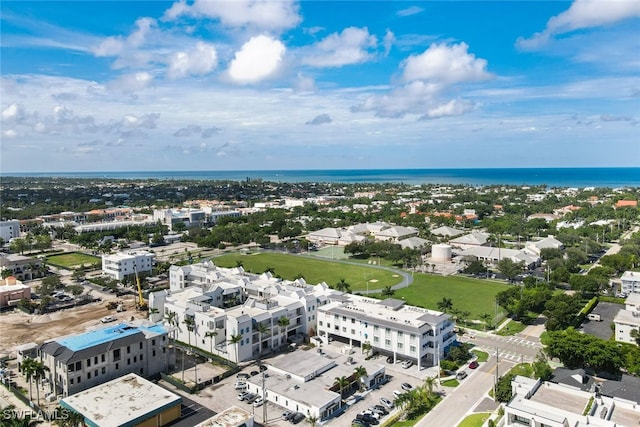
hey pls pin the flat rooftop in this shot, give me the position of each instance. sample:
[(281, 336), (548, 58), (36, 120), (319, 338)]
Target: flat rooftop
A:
[(625, 416), (230, 417), (555, 397), (110, 333), (127, 399)]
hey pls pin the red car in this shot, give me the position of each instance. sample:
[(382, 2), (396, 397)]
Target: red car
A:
[(473, 365)]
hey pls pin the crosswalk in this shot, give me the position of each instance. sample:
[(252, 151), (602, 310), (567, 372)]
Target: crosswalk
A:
[(521, 341)]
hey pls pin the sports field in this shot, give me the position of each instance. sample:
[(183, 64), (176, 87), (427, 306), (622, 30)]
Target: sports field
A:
[(73, 259), (313, 270), (473, 295)]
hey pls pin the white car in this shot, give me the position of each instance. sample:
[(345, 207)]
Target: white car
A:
[(397, 393), (240, 386), (108, 319), (258, 402)]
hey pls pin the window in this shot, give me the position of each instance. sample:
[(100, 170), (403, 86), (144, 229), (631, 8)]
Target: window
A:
[(353, 332), (153, 353), (141, 357), (117, 366), (95, 373), (102, 358), (103, 370), (337, 328), (116, 355), (400, 334), (376, 339), (164, 350), (71, 381), (387, 343), (344, 318), (412, 349), (387, 330), (128, 349), (400, 345), (344, 329), (128, 361), (141, 344), (135, 359), (79, 380), (95, 360), (353, 320), (88, 362), (376, 327), (88, 375), (320, 322)]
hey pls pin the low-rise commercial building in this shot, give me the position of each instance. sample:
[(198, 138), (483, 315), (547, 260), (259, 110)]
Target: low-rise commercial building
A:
[(12, 291), (630, 282), (78, 362), (21, 267), (628, 320), (126, 401), (230, 417), (390, 326)]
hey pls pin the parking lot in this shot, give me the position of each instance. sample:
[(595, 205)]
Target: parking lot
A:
[(223, 395), (602, 329)]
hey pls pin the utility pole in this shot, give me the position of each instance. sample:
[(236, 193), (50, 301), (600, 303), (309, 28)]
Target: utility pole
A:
[(264, 398), (495, 387)]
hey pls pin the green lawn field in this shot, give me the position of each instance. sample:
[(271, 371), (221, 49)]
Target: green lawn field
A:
[(313, 270), (73, 259), (473, 295)]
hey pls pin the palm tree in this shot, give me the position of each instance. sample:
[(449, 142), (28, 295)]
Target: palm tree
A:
[(343, 286), (342, 382), (153, 310), (486, 317), (359, 373), (388, 291), (445, 304), (39, 372), (190, 323), (261, 328), (429, 382), (283, 323), (464, 316), (212, 335), (312, 419), (366, 347), (172, 320), (235, 340), (28, 369)]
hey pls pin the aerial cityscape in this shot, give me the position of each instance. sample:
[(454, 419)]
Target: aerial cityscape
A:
[(341, 213)]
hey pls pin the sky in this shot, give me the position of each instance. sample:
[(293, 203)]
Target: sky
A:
[(285, 84)]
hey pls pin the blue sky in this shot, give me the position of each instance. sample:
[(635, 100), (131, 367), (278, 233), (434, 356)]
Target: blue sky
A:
[(266, 84)]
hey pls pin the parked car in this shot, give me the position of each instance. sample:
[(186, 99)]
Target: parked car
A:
[(370, 414), (287, 414), (407, 364), (386, 402), (368, 419), (251, 398), (359, 423), (461, 375), (473, 365), (240, 386), (406, 386), (242, 375), (243, 395), (397, 393), (299, 416), (390, 359), (381, 409), (263, 368), (254, 373), (258, 402), (108, 319)]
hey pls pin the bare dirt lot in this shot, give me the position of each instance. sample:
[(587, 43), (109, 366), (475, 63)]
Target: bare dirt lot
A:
[(17, 328)]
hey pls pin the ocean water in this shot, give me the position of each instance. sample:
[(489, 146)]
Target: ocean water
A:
[(553, 177)]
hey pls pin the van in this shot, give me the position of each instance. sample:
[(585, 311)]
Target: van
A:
[(594, 317)]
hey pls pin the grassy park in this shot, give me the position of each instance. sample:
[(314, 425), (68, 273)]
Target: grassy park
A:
[(472, 295), (313, 270), (73, 260)]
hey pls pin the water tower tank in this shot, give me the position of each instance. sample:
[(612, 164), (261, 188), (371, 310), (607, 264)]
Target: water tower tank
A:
[(441, 253)]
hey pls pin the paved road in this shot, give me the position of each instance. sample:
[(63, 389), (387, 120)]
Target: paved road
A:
[(462, 399), (517, 348)]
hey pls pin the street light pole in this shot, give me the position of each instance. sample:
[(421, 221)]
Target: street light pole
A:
[(264, 399)]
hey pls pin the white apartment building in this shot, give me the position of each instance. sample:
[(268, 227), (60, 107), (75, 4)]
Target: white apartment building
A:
[(191, 217), (628, 319), (21, 267), (9, 230), (390, 326), (78, 362), (630, 282), (123, 264), (546, 404)]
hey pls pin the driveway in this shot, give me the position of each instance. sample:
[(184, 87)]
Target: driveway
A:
[(602, 329)]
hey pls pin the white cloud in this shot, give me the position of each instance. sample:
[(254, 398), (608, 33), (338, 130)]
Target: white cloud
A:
[(455, 107), (580, 15), (413, 10), (13, 113), (304, 83), (188, 131), (352, 46), (262, 14), (131, 82), (388, 41), (116, 45), (445, 64), (257, 59), (9, 133), (200, 60)]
